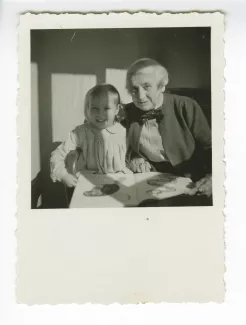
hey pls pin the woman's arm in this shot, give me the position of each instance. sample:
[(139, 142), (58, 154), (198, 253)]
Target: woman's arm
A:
[(201, 132), (197, 123)]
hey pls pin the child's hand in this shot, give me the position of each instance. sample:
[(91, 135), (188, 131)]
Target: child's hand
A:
[(139, 165), (69, 180)]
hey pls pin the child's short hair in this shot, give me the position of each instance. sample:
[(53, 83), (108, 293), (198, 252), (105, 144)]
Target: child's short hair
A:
[(100, 90), (145, 63)]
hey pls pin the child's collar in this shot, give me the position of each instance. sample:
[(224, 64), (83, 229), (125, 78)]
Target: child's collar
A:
[(112, 129)]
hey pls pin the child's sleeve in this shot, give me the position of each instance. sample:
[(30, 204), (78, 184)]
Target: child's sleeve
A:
[(58, 156)]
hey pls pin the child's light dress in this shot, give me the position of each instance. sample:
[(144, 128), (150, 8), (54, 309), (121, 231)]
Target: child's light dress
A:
[(103, 151)]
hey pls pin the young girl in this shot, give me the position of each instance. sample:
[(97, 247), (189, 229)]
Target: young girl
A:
[(101, 138)]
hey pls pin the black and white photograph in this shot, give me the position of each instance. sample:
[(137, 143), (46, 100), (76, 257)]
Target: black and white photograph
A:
[(120, 111), (121, 117)]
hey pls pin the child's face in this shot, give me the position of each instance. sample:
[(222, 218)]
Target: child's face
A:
[(102, 111), (145, 90)]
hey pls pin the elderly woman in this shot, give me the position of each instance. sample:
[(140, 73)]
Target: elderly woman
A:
[(166, 133)]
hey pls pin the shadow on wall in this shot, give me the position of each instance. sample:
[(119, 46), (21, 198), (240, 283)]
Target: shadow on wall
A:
[(185, 52)]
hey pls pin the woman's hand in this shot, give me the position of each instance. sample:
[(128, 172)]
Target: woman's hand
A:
[(139, 165), (69, 180), (204, 185)]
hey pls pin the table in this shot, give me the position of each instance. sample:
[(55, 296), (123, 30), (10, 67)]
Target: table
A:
[(126, 190)]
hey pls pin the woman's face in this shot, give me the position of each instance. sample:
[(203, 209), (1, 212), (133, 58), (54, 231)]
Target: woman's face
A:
[(145, 90), (102, 110)]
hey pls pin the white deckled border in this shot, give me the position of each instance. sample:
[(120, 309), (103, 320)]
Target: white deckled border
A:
[(33, 224)]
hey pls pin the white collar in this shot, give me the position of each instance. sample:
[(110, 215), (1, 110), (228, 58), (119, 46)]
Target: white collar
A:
[(111, 129)]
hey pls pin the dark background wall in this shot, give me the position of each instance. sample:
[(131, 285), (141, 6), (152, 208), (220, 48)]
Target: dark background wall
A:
[(66, 63)]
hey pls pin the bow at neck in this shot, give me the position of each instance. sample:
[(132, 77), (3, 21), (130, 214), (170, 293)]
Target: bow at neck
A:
[(150, 115)]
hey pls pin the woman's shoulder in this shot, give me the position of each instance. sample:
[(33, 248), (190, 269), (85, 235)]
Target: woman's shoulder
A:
[(180, 105), (180, 100)]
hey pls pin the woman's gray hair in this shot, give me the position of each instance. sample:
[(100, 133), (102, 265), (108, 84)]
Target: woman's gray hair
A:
[(145, 63)]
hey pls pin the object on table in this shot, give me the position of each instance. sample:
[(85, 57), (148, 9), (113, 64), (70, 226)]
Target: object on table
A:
[(103, 190)]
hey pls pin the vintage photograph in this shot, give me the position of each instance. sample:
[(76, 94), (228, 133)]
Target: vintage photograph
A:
[(120, 110), (121, 117)]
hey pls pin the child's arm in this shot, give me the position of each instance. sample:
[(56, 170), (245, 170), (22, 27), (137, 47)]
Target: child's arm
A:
[(57, 160)]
